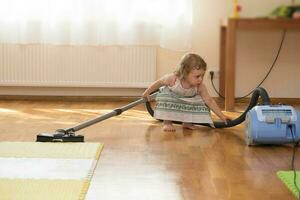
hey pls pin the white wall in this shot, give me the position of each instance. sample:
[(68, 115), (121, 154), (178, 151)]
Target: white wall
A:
[(207, 19), (256, 50)]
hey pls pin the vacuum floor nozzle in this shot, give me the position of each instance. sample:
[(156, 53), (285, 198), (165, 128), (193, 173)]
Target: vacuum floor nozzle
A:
[(46, 137)]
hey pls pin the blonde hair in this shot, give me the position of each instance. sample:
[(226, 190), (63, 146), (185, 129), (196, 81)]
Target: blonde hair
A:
[(189, 62)]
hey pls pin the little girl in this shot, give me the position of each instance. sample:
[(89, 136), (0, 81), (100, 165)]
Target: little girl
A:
[(185, 97)]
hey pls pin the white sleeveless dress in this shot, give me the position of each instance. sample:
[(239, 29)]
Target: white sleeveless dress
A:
[(179, 104)]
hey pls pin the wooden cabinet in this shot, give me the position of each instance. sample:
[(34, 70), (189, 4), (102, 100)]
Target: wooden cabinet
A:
[(228, 48)]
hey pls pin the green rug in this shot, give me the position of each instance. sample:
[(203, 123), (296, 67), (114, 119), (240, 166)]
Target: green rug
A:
[(287, 177)]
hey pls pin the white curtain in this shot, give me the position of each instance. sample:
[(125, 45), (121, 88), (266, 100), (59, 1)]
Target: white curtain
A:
[(166, 23)]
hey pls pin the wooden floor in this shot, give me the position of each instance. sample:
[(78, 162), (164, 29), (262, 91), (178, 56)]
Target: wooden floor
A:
[(139, 161)]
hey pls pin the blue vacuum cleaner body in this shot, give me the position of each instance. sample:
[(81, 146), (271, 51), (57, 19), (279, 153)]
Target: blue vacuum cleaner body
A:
[(272, 124)]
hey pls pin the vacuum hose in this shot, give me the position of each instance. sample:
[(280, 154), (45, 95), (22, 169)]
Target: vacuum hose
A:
[(258, 92)]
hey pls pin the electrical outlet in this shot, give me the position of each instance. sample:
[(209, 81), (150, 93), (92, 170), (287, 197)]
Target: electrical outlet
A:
[(214, 73), (211, 74)]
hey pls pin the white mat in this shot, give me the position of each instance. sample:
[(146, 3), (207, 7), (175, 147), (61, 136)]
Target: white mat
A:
[(44, 168)]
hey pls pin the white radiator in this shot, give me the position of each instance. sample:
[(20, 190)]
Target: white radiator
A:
[(77, 66)]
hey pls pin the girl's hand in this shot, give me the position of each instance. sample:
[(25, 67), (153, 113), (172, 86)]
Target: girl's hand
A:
[(145, 95), (225, 119)]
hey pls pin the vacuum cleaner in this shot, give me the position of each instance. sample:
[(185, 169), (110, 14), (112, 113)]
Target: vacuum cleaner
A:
[(68, 135), (272, 124), (265, 123)]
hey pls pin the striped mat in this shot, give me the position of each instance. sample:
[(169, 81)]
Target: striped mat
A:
[(31, 170)]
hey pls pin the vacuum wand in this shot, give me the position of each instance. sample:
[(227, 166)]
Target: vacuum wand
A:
[(68, 135), (115, 112)]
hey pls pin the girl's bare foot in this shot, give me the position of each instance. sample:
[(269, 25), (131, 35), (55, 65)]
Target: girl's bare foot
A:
[(189, 126), (168, 127)]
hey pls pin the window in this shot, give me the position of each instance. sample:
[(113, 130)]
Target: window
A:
[(166, 23)]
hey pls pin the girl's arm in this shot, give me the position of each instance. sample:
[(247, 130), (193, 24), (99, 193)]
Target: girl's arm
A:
[(167, 80), (210, 102)]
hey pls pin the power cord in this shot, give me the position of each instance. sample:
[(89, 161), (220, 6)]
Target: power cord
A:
[(271, 68), (212, 73), (295, 144)]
